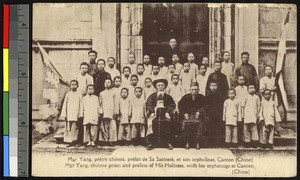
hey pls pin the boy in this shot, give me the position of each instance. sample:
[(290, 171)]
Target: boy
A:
[(125, 111), (202, 79), (163, 69), (147, 65), (126, 76), (231, 117), (91, 111), (241, 90), (220, 78), (131, 64), (268, 116), (138, 123), (100, 77), (268, 82), (72, 111), (250, 114), (148, 89), (228, 69), (141, 75), (170, 50), (92, 66), (175, 61), (133, 83), (175, 90), (205, 61), (111, 69), (108, 128), (215, 102), (186, 77), (194, 66), (171, 71), (155, 72), (117, 89), (84, 78)]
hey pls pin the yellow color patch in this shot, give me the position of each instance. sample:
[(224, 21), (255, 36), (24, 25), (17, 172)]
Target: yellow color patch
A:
[(5, 70)]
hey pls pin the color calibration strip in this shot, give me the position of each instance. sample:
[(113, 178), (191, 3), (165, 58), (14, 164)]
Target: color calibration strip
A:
[(6, 167)]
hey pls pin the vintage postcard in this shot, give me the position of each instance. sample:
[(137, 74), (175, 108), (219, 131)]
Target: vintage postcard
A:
[(164, 89)]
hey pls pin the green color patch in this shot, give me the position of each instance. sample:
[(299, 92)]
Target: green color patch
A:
[(5, 113)]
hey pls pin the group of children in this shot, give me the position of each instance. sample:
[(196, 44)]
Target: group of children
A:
[(118, 111)]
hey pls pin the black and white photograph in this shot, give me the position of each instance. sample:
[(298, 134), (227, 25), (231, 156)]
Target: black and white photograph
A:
[(164, 89)]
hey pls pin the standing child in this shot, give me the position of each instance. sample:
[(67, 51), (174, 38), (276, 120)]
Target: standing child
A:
[(126, 76), (175, 90), (268, 82), (231, 117), (268, 116), (84, 78), (202, 79), (111, 69), (133, 83), (155, 73), (250, 114), (205, 61), (148, 89), (187, 77), (91, 111), (147, 65), (175, 61), (194, 66), (171, 71), (117, 89), (138, 122), (125, 111), (241, 89), (108, 128), (141, 75), (71, 111), (131, 63), (228, 69), (163, 69)]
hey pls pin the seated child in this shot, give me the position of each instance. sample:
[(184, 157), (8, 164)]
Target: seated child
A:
[(148, 89), (72, 111), (250, 114), (91, 111), (231, 117), (269, 115)]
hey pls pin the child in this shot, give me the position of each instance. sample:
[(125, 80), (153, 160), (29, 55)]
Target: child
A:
[(205, 61), (111, 69), (170, 50), (148, 89), (250, 113), (147, 65), (175, 90), (187, 77), (141, 75), (84, 78), (117, 89), (91, 111), (155, 72), (268, 82), (194, 66), (268, 116), (138, 123), (126, 76), (125, 111), (171, 71), (163, 69), (133, 83), (228, 69), (231, 116), (131, 64), (92, 69), (202, 79), (215, 102), (175, 61), (241, 90), (108, 128), (71, 111)]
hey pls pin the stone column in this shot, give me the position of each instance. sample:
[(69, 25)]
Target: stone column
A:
[(227, 27)]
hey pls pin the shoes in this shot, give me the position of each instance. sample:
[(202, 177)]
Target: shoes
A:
[(70, 145), (170, 147), (197, 146), (150, 147), (187, 146)]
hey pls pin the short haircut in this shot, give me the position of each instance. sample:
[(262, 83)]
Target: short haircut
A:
[(134, 75), (232, 89), (124, 88), (202, 65), (186, 62), (74, 80), (268, 66), (90, 85), (138, 87), (174, 75), (251, 84), (93, 51), (126, 67), (117, 77), (132, 54), (172, 65), (155, 65), (108, 79), (226, 52), (102, 61), (147, 55), (266, 90), (84, 64), (175, 54), (112, 59), (245, 53), (148, 78), (218, 62), (140, 64), (213, 82)]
